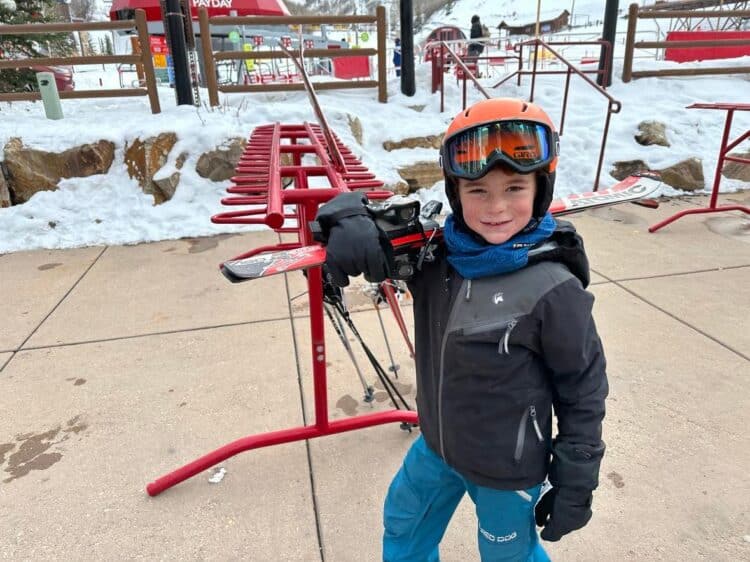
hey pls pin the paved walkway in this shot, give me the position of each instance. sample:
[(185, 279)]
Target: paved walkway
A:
[(120, 364)]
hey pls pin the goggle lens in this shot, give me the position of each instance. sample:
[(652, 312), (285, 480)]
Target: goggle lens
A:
[(524, 145)]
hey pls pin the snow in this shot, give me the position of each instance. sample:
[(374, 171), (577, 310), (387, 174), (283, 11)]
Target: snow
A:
[(112, 209)]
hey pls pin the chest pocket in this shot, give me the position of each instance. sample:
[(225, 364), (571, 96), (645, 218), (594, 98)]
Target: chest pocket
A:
[(498, 333)]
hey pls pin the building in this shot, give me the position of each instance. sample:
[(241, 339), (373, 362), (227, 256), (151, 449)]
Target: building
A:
[(546, 26)]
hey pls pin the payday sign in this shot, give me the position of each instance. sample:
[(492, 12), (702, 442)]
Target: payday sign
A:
[(212, 3)]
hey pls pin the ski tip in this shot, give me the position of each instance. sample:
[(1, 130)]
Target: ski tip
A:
[(231, 276), (649, 203)]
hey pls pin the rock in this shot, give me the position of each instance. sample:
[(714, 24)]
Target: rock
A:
[(625, 168), (4, 193), (168, 185), (652, 132), (356, 126), (399, 188), (144, 158), (737, 170), (421, 174), (418, 108), (30, 170), (686, 175), (430, 141), (219, 164)]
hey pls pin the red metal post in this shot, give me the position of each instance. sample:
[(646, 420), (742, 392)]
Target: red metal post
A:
[(726, 146)]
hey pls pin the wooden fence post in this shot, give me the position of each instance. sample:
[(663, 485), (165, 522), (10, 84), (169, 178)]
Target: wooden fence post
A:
[(208, 58), (148, 63), (627, 65), (382, 51)]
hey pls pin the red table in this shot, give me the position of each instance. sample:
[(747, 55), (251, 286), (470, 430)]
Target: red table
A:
[(730, 108)]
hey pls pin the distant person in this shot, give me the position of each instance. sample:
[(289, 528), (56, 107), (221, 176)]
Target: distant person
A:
[(397, 56), (475, 49)]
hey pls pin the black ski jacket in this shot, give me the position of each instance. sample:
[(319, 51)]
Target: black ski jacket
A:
[(496, 355)]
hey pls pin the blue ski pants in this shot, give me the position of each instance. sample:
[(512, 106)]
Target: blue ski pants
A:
[(421, 501)]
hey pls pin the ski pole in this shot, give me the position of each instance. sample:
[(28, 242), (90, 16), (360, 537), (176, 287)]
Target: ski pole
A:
[(394, 367), (338, 327)]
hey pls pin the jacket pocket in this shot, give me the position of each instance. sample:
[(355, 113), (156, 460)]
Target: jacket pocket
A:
[(527, 419)]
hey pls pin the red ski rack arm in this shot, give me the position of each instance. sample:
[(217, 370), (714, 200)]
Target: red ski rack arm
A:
[(260, 178)]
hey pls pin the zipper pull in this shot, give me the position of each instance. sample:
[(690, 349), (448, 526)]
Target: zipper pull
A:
[(532, 413), (468, 290), (503, 348)]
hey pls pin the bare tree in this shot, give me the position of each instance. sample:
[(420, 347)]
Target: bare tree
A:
[(82, 9)]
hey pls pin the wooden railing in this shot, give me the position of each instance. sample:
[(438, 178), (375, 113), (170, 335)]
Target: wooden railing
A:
[(635, 13), (210, 58), (143, 59)]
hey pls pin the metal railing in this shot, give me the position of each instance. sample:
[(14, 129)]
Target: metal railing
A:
[(613, 105), (438, 80)]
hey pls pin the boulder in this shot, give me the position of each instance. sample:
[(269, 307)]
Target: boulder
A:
[(30, 170), (737, 170), (144, 158), (652, 132), (168, 185), (219, 164), (421, 174), (686, 175), (625, 168), (399, 188), (430, 141)]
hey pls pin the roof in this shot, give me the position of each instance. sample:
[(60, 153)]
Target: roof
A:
[(215, 8)]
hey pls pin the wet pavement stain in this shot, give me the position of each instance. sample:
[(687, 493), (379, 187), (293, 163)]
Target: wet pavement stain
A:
[(198, 245), (737, 228), (616, 479), (47, 266), (31, 450), (4, 448), (348, 404)]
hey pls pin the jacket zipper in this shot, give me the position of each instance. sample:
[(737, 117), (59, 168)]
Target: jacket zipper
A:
[(503, 346), (443, 344), (530, 412)]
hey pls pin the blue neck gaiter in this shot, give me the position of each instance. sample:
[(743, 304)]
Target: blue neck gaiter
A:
[(473, 258)]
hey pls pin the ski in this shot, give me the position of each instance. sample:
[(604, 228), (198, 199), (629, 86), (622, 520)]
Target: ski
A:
[(631, 188)]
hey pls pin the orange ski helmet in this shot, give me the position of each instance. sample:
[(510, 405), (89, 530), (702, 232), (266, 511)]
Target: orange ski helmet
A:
[(500, 131)]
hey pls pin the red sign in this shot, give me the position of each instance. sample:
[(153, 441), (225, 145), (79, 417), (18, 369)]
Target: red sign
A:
[(257, 40), (158, 45), (351, 67), (706, 53), (309, 43), (286, 41)]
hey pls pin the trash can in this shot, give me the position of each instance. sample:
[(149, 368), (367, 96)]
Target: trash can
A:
[(50, 97)]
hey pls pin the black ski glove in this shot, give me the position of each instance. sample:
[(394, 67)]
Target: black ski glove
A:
[(354, 243), (562, 510), (574, 474)]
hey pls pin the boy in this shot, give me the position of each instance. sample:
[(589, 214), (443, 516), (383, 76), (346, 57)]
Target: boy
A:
[(504, 334)]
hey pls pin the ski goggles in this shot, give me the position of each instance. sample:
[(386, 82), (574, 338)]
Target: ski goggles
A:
[(524, 146)]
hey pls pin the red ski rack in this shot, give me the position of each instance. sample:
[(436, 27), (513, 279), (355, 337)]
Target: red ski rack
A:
[(726, 146), (260, 184)]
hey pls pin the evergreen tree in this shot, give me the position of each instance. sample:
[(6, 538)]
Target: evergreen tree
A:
[(16, 12), (108, 49)]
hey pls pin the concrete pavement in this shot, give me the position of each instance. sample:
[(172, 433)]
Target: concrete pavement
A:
[(119, 364)]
